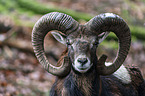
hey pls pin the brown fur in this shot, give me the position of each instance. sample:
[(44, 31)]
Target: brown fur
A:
[(65, 53), (60, 87), (136, 76), (85, 83)]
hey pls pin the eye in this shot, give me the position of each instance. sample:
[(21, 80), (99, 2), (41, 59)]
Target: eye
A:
[(68, 42), (96, 43)]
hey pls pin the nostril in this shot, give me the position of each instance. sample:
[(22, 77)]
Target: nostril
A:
[(82, 60)]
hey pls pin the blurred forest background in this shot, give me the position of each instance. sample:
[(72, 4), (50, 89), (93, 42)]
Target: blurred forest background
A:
[(20, 72)]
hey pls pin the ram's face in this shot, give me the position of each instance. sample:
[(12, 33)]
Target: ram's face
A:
[(81, 48), (82, 51)]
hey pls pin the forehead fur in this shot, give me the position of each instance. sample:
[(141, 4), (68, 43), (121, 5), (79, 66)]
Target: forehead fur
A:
[(82, 33)]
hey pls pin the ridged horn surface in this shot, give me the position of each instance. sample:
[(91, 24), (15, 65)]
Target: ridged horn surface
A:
[(52, 21), (113, 23)]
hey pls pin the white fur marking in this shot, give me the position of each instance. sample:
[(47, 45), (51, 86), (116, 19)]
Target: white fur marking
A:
[(122, 74), (109, 15)]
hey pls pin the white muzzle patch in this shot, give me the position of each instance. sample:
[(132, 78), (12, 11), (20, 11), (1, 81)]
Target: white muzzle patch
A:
[(82, 68)]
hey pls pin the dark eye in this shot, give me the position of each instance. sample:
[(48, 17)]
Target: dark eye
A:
[(68, 42), (96, 43)]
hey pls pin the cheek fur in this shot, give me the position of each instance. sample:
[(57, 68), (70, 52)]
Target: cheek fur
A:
[(71, 53)]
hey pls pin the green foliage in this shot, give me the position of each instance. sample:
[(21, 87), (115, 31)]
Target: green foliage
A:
[(43, 9), (110, 44), (2, 8), (138, 32), (7, 5), (112, 36), (125, 15)]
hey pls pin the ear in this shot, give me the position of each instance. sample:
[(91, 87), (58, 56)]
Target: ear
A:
[(103, 36), (59, 37)]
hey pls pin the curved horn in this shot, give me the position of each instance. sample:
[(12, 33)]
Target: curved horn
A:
[(48, 22), (114, 23)]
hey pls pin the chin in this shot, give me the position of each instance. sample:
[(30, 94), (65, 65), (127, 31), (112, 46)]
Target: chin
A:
[(82, 69)]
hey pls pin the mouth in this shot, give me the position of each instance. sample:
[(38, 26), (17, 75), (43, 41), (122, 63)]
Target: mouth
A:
[(82, 69)]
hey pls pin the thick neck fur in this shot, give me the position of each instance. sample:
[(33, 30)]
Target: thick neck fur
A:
[(88, 82), (76, 84)]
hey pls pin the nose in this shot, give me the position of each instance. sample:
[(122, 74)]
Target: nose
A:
[(82, 60)]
